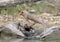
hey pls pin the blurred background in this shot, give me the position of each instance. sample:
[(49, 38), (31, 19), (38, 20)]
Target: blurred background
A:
[(49, 10)]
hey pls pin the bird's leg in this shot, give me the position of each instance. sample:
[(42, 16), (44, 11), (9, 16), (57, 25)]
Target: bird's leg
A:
[(33, 24), (26, 19), (30, 22)]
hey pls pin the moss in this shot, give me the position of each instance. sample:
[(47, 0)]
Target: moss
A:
[(14, 10), (6, 36)]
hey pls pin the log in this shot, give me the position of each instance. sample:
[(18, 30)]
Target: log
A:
[(8, 2), (13, 2), (13, 28), (49, 31)]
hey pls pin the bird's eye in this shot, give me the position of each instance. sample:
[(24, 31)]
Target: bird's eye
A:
[(22, 12)]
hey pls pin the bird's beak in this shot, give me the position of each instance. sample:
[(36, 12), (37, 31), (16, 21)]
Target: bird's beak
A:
[(21, 14)]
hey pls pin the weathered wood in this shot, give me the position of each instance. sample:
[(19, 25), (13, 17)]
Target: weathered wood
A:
[(49, 31), (13, 2), (13, 28), (8, 2)]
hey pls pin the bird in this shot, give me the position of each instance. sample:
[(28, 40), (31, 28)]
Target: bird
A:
[(31, 17), (49, 31)]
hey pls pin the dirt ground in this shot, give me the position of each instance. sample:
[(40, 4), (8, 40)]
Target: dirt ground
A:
[(49, 19)]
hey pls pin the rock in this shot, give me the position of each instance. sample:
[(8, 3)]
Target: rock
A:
[(32, 10)]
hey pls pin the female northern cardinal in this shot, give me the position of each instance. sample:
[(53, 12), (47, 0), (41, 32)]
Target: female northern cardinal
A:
[(29, 16)]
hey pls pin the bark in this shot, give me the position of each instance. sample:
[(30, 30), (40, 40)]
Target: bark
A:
[(11, 27), (8, 2), (13, 2)]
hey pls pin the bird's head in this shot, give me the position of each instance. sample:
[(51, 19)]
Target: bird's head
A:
[(23, 12)]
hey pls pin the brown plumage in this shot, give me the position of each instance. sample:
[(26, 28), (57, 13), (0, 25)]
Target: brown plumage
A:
[(32, 17)]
